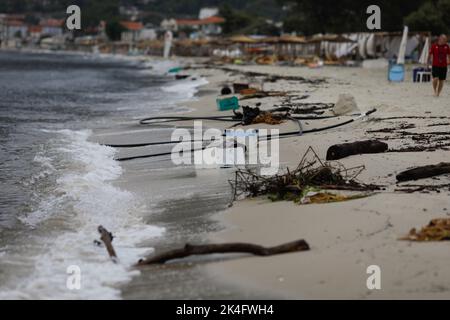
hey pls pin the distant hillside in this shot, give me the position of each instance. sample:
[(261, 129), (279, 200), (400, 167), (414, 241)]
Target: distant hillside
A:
[(163, 8), (266, 8)]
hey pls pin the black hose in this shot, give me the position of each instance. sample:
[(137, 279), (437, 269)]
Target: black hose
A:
[(146, 121), (268, 138), (157, 120), (150, 120)]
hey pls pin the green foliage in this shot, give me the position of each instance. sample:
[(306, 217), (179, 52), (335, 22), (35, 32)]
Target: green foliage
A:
[(297, 23), (336, 16), (304, 16), (94, 11), (190, 8), (432, 16), (114, 30), (234, 20)]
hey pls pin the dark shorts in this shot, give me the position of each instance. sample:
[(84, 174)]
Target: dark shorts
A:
[(439, 72)]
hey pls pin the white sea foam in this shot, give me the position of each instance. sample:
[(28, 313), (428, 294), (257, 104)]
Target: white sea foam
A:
[(84, 198), (161, 67), (186, 88)]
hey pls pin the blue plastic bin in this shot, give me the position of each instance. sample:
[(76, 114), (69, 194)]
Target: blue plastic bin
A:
[(396, 73)]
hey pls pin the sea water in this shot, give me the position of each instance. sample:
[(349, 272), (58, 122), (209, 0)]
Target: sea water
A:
[(56, 185)]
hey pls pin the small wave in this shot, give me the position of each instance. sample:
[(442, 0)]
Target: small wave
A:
[(161, 67), (186, 87), (82, 198)]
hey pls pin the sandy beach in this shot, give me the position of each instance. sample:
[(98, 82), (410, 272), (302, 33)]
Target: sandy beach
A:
[(345, 237), (226, 158), (168, 206)]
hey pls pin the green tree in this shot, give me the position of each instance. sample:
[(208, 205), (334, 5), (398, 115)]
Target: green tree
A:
[(234, 20), (336, 16), (429, 17), (94, 11), (114, 30)]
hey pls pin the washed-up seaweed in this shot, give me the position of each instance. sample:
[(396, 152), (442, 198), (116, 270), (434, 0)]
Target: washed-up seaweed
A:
[(251, 115), (263, 94), (291, 185), (439, 124), (316, 197), (411, 188), (436, 230), (426, 148), (268, 118), (304, 108), (435, 133), (275, 116), (272, 78), (402, 126), (409, 118)]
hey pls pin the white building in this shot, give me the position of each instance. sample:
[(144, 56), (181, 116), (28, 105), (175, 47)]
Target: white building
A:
[(208, 13), (169, 25), (52, 27), (16, 29), (132, 31), (148, 34)]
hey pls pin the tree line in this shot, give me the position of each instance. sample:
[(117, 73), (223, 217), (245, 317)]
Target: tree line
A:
[(260, 16), (337, 16)]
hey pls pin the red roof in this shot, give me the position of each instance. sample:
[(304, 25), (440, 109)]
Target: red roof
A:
[(15, 23), (55, 23), (15, 17), (213, 20), (132, 26), (196, 22), (35, 29)]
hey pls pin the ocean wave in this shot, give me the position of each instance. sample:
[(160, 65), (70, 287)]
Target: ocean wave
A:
[(186, 88), (82, 198), (161, 67)]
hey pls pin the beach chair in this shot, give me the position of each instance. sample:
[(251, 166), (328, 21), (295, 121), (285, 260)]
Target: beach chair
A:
[(421, 75), (424, 76)]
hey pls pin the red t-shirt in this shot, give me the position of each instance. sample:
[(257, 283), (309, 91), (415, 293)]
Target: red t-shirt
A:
[(440, 53)]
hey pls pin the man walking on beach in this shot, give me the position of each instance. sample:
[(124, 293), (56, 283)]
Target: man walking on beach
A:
[(440, 53)]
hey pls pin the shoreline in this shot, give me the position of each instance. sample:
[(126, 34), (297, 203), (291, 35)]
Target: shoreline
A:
[(192, 204), (346, 237), (178, 199)]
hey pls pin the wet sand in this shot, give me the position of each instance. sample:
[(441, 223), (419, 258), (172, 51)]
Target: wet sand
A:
[(183, 202), (345, 238), (348, 237)]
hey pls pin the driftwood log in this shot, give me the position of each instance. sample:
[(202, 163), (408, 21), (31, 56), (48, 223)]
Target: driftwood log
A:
[(107, 239), (188, 250), (424, 172), (339, 151)]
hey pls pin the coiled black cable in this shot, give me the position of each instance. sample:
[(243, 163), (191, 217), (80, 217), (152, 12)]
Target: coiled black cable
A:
[(268, 138)]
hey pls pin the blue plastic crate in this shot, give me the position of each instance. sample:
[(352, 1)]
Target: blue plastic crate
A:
[(231, 103), (396, 73)]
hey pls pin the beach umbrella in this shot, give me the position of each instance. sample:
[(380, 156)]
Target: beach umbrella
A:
[(402, 50), (370, 45), (168, 38), (425, 52)]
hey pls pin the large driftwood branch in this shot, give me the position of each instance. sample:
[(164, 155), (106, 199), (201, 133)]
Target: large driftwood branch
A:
[(339, 151), (188, 250), (107, 239), (424, 172)]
